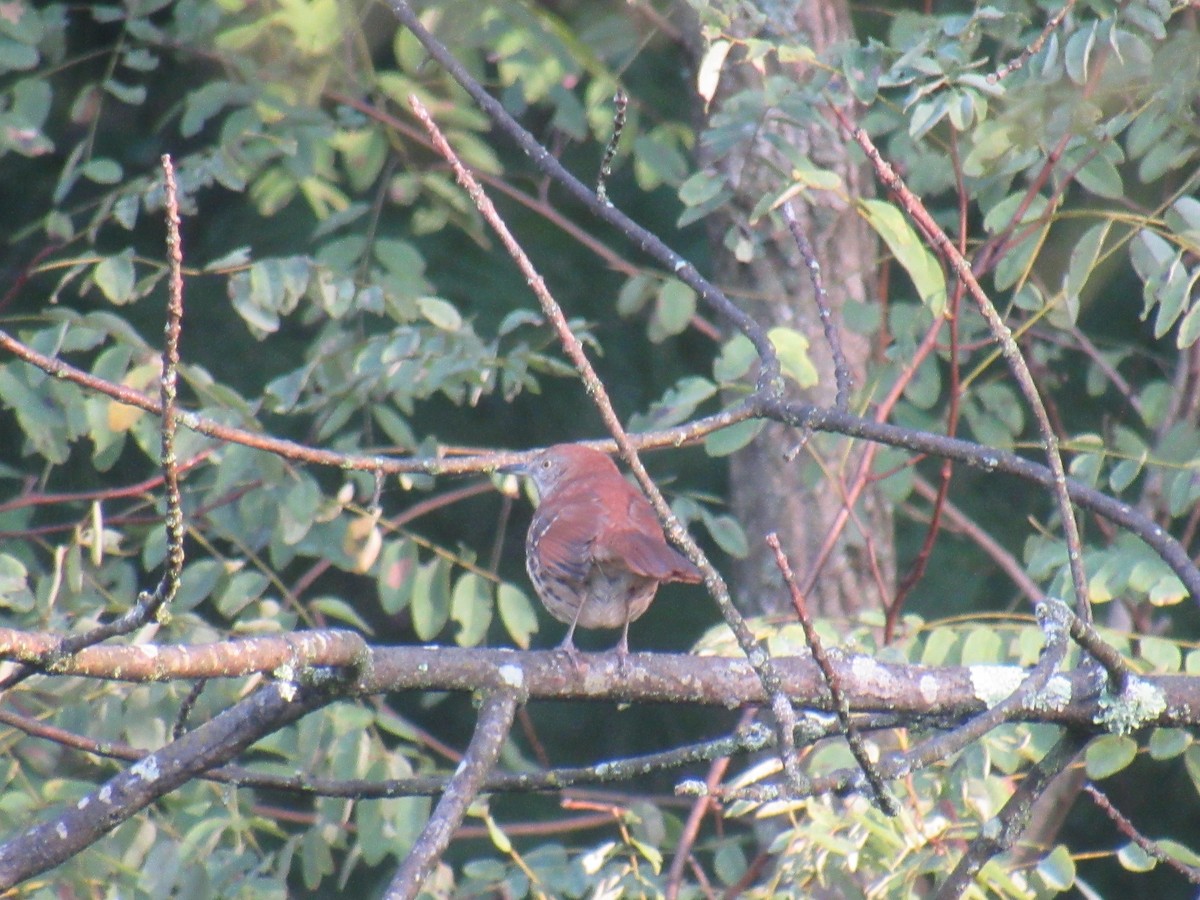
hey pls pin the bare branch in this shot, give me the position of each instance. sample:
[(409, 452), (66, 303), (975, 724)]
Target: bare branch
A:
[(841, 368), (1148, 846), (1004, 829), (883, 799), (81, 824), (1027, 53), (491, 730), (770, 380), (1008, 345)]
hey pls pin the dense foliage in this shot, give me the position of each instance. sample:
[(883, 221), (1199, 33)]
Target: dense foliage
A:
[(343, 292)]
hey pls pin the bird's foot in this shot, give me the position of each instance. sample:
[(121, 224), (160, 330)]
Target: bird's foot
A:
[(622, 651), (568, 647)]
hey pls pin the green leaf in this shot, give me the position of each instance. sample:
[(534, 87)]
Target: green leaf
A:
[(1191, 760), (792, 348), (1163, 655), (1057, 869), (982, 646), (242, 590), (729, 862), (732, 438), (471, 607), (115, 277), (440, 313), (431, 599), (1134, 859), (133, 94), (676, 405), (397, 575), (734, 360), (1079, 53), (634, 293), (1083, 263), (1167, 743), (658, 159), (102, 171), (938, 646), (728, 533), (517, 614), (1102, 178), (1109, 754), (701, 187), (673, 309), (336, 608), (889, 223), (15, 56), (1189, 328)]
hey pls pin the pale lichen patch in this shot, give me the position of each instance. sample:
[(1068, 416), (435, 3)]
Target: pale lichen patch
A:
[(146, 768), (869, 673), (1056, 695), (1140, 703), (991, 684), (512, 676), (928, 686)]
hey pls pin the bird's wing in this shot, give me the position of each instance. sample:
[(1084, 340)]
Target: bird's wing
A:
[(650, 556), (637, 540), (566, 541)]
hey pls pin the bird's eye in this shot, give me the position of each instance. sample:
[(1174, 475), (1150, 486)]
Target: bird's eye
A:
[(546, 463)]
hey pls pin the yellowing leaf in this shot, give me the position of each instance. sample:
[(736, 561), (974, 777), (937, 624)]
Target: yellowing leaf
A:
[(889, 223), (709, 75), (121, 416)]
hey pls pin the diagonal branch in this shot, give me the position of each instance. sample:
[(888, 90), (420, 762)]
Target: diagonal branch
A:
[(1002, 831), (81, 824), (150, 603), (491, 730), (769, 377), (1008, 346)]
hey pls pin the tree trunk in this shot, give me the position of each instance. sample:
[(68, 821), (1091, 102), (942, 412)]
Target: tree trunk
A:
[(802, 499)]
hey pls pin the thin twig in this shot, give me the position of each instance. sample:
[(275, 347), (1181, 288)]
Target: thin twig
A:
[(1008, 345), (700, 808), (149, 603), (883, 799), (1027, 53), (620, 104), (1149, 847), (185, 709), (1002, 831), (1027, 695), (841, 368), (79, 825), (770, 380), (1085, 635), (979, 456)]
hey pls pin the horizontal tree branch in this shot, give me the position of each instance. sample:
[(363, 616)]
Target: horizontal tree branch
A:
[(945, 692)]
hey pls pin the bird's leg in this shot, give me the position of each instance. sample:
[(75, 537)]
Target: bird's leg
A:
[(622, 647), (568, 642)]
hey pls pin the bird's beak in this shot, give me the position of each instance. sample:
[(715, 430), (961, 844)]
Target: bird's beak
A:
[(521, 468)]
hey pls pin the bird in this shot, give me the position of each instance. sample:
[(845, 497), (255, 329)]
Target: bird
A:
[(595, 550)]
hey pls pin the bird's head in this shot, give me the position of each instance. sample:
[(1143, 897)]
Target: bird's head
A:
[(562, 463)]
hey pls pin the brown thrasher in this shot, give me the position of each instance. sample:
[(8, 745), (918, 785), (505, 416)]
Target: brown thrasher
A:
[(595, 551)]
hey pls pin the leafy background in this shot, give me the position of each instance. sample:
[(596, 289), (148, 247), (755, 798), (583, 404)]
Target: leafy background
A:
[(341, 292)]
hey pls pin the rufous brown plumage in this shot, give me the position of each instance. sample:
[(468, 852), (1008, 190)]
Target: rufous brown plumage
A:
[(595, 550)]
